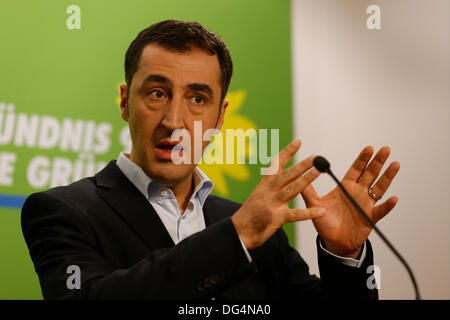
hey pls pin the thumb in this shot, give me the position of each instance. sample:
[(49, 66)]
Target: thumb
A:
[(296, 214), (309, 195)]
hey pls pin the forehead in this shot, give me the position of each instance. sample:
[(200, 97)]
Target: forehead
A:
[(182, 68)]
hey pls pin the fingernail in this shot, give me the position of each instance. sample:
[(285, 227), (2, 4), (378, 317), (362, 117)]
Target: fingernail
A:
[(322, 210)]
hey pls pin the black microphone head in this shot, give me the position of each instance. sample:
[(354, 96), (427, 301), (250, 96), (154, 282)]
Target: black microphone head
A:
[(321, 164)]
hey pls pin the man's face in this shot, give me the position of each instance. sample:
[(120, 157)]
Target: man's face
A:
[(170, 90)]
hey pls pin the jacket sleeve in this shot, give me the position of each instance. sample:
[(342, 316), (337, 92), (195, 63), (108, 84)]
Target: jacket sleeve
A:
[(198, 267), (337, 281), (340, 281)]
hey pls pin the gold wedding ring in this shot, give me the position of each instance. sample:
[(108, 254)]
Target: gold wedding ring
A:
[(373, 195)]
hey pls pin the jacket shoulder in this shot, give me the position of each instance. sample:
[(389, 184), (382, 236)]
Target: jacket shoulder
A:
[(72, 193), (83, 191)]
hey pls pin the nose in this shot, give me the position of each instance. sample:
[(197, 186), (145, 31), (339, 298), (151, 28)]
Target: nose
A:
[(173, 116)]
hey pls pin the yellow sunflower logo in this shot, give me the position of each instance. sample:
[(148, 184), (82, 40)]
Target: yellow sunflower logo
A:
[(236, 171), (118, 95)]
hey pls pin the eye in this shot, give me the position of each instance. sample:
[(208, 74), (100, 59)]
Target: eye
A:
[(198, 99), (156, 94)]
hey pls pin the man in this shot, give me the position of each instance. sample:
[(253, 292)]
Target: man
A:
[(145, 227)]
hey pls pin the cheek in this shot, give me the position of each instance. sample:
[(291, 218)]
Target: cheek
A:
[(210, 118), (199, 125), (142, 125)]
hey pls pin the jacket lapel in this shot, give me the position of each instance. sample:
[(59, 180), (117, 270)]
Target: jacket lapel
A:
[(214, 211), (133, 207)]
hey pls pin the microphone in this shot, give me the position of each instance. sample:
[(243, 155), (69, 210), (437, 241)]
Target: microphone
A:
[(322, 164)]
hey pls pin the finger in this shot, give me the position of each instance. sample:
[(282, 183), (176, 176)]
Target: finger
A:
[(359, 165), (297, 214), (383, 209), (309, 195), (291, 190), (293, 172), (373, 170), (282, 158), (385, 180)]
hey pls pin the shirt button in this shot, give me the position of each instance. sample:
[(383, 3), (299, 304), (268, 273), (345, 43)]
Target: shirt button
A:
[(164, 193)]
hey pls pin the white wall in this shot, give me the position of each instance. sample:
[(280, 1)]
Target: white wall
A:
[(355, 87)]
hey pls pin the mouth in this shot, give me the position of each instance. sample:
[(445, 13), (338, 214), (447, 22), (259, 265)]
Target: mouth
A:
[(165, 148), (166, 144)]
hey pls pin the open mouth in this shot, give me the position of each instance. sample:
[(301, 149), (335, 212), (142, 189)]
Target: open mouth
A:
[(167, 145), (165, 148)]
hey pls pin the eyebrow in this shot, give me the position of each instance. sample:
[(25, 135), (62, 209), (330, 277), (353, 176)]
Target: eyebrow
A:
[(157, 78), (201, 87)]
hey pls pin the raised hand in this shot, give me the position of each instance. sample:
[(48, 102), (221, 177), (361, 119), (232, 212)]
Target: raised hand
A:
[(266, 209), (342, 228)]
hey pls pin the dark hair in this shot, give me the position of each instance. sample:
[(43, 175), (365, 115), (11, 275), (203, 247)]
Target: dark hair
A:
[(180, 36)]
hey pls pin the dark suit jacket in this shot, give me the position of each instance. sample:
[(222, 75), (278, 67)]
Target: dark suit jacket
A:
[(104, 225)]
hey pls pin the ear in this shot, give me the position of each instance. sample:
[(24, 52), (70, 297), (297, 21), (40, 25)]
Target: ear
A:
[(222, 114), (123, 102)]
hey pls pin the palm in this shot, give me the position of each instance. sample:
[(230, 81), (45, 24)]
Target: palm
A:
[(342, 225)]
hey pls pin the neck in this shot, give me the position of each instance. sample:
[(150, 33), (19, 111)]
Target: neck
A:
[(182, 190)]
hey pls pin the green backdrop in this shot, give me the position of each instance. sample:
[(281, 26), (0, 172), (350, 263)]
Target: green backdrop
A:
[(53, 78)]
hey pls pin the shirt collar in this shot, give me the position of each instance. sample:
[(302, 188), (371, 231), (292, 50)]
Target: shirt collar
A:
[(134, 173)]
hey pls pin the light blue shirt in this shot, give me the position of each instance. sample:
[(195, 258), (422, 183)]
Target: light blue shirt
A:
[(179, 226)]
